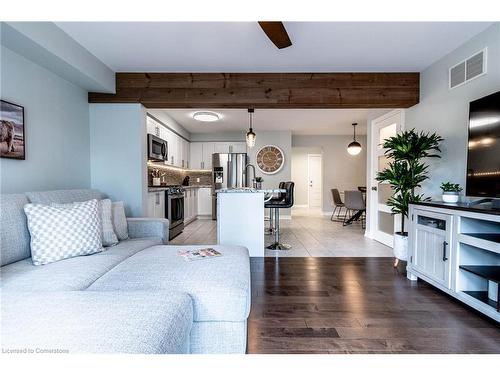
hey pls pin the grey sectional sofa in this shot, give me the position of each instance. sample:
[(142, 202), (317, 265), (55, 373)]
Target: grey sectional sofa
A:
[(136, 297)]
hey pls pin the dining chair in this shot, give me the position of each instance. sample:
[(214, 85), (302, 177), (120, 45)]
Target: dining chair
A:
[(337, 203), (354, 201)]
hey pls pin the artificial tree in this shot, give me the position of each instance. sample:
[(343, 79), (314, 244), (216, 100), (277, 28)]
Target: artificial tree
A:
[(406, 171)]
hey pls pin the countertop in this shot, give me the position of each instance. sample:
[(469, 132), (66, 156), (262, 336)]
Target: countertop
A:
[(161, 188), (251, 190), (461, 206)]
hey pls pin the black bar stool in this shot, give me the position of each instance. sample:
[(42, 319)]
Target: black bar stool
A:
[(287, 202), (279, 198)]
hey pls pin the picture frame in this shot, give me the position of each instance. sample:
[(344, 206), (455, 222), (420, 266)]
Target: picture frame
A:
[(12, 131)]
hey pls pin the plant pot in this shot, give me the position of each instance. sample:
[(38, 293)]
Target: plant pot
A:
[(450, 196), (156, 181), (400, 246)]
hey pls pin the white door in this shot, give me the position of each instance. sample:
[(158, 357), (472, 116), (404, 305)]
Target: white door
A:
[(314, 181), (382, 223), (195, 155)]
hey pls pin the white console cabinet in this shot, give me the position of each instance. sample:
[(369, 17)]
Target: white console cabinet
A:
[(457, 249)]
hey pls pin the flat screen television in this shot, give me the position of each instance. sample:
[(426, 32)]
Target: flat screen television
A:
[(483, 157)]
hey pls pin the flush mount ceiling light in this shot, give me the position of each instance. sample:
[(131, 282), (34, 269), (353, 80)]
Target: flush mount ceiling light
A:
[(250, 137), (206, 116), (354, 147)]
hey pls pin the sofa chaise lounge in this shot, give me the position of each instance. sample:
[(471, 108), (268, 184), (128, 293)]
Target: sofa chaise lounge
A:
[(138, 296)]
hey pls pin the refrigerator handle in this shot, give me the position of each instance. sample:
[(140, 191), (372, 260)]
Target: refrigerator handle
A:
[(229, 183)]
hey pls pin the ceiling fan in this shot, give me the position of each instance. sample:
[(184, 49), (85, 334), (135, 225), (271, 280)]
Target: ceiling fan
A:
[(277, 33)]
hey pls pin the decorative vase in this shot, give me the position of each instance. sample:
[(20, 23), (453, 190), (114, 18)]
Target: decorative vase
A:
[(156, 181), (450, 196), (400, 247)]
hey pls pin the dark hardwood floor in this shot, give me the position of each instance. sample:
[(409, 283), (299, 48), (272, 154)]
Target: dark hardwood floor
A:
[(357, 305)]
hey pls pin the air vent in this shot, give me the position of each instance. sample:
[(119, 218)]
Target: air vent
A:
[(464, 71)]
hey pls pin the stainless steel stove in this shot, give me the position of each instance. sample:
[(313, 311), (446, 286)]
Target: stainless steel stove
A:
[(174, 209)]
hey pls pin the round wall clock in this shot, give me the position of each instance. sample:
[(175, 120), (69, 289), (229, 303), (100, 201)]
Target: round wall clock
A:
[(270, 159)]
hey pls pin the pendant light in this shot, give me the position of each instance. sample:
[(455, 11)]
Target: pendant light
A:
[(250, 137), (354, 147)]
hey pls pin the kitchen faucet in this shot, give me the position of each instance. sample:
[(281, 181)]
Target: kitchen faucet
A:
[(253, 179)]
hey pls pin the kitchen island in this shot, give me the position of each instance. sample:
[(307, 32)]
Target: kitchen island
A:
[(240, 217)]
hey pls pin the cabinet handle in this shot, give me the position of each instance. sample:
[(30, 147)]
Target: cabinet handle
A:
[(444, 251), (157, 198)]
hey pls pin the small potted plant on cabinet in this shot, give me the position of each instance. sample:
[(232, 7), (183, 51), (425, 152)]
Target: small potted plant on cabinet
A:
[(450, 192), (405, 173)]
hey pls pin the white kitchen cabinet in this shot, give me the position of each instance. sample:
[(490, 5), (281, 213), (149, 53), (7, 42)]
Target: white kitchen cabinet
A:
[(230, 147), (222, 147), (156, 204), (196, 155), (152, 127), (205, 201), (194, 200), (431, 245), (207, 151), (239, 147), (187, 205), (190, 204), (184, 153)]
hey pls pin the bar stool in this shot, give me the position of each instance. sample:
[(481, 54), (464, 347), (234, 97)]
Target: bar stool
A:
[(279, 198), (287, 202)]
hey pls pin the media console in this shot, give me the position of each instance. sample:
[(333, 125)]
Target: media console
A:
[(456, 248)]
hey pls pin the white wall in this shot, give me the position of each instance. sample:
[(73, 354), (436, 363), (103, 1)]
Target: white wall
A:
[(282, 139), (445, 111), (340, 170), (56, 128), (118, 154), (50, 47)]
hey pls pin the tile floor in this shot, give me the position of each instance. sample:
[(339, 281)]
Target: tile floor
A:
[(310, 234)]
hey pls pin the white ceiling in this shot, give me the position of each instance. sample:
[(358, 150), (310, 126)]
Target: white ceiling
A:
[(243, 47), (299, 121)]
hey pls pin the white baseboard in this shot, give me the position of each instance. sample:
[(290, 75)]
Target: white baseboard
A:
[(204, 216)]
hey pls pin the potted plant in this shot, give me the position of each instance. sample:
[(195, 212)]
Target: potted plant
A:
[(450, 192), (405, 172)]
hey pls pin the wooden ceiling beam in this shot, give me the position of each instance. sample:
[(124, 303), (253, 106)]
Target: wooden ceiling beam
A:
[(264, 90)]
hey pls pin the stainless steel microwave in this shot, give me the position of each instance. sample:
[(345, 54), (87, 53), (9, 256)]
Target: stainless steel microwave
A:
[(157, 148)]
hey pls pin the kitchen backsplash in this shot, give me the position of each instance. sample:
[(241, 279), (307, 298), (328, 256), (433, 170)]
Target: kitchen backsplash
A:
[(174, 176)]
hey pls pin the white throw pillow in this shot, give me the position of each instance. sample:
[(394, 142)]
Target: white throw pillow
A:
[(120, 221), (108, 234), (63, 231)]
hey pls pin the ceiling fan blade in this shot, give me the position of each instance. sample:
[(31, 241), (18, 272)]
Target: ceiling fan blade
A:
[(277, 33)]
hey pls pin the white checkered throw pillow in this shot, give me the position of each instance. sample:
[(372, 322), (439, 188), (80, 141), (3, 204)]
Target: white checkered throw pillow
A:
[(63, 231)]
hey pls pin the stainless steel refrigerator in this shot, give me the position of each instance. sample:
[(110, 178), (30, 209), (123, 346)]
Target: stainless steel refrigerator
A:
[(228, 171)]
